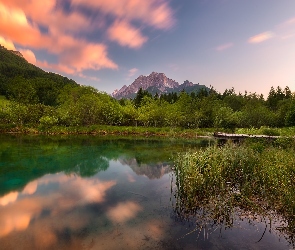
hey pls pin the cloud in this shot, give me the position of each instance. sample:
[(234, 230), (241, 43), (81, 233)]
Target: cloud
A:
[(132, 72), (45, 25), (7, 43), (73, 54), (11, 197), (224, 47), (28, 55), (12, 21), (288, 22), (286, 30), (123, 212), (93, 78), (17, 211), (261, 37), (126, 35), (30, 188), (155, 13)]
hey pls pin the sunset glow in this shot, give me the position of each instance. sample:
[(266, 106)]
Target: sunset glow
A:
[(247, 45)]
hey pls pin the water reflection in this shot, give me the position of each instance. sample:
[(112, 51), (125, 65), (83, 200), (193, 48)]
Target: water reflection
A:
[(66, 193), (93, 193), (24, 159), (228, 211), (152, 171)]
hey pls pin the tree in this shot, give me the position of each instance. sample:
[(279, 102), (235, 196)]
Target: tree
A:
[(139, 97), (290, 116), (22, 91)]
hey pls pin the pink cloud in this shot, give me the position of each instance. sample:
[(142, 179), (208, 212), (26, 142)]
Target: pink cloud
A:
[(28, 55), (155, 13), (9, 198), (124, 211), (289, 22), (8, 44), (74, 54), (65, 31), (88, 56), (55, 67), (12, 21), (132, 72), (126, 35), (224, 46), (286, 30), (261, 37), (17, 211)]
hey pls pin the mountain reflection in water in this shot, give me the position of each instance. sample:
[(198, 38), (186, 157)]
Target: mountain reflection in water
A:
[(99, 193)]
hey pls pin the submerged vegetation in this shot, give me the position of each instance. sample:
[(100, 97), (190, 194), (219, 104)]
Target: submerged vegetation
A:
[(218, 183)]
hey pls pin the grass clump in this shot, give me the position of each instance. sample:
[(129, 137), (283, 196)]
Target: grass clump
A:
[(253, 176)]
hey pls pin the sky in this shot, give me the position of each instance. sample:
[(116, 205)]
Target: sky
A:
[(245, 44)]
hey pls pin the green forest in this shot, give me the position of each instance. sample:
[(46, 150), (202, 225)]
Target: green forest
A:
[(40, 100), (25, 103)]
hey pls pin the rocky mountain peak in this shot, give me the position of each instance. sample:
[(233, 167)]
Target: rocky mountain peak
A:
[(187, 83), (154, 83), (17, 53), (157, 80)]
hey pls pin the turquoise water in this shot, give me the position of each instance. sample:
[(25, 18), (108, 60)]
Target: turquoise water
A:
[(105, 193)]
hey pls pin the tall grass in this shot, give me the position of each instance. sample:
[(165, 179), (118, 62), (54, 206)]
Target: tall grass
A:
[(254, 177)]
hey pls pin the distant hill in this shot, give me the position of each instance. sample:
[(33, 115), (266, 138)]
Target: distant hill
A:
[(14, 66), (156, 83)]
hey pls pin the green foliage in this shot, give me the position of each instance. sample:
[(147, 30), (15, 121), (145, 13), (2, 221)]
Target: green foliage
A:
[(26, 83), (290, 116), (140, 96), (275, 96), (48, 121), (269, 131), (32, 91), (254, 176), (22, 91)]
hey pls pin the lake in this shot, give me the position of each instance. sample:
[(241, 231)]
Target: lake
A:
[(87, 192)]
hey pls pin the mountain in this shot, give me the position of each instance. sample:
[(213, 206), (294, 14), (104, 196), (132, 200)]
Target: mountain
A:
[(156, 83), (15, 69)]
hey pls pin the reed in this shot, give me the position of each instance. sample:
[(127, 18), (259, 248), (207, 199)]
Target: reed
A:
[(219, 181)]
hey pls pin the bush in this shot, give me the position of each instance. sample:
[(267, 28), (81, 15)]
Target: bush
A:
[(47, 121)]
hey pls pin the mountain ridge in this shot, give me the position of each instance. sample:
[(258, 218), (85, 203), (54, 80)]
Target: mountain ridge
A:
[(16, 70), (156, 83)]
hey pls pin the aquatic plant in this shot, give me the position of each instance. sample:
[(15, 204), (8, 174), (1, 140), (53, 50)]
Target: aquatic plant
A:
[(216, 182)]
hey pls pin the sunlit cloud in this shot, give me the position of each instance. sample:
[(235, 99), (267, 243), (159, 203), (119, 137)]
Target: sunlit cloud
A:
[(124, 211), (8, 44), (12, 21), (74, 54), (88, 56), (55, 67), (223, 47), (155, 13), (286, 30), (28, 55), (93, 78), (288, 22), (132, 72), (45, 25), (261, 37), (126, 35)]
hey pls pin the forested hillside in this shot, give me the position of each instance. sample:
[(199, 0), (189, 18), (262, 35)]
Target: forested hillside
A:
[(39, 100), (24, 82)]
